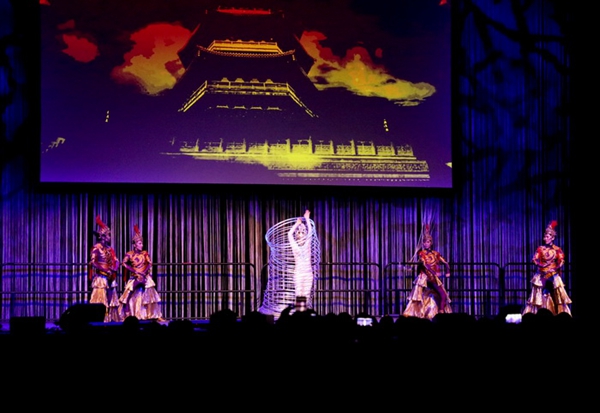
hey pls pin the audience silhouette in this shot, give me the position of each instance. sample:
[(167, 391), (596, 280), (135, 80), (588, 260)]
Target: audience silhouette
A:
[(453, 338)]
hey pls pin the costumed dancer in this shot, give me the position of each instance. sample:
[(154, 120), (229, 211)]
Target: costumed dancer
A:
[(103, 268), (547, 287), (428, 296), (139, 298), (300, 237)]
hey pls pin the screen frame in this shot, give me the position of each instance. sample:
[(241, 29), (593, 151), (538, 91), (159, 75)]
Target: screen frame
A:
[(360, 189)]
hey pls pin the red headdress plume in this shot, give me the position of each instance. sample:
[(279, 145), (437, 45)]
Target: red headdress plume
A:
[(99, 222), (427, 234), (103, 227), (550, 229), (137, 235)]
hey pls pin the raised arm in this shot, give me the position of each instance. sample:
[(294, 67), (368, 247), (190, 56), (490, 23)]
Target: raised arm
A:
[(309, 227)]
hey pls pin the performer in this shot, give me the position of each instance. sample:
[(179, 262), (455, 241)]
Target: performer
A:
[(300, 237), (293, 265), (428, 296), (103, 268), (139, 298), (547, 287)]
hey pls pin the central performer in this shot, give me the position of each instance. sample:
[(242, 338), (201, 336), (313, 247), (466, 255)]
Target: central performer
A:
[(293, 265)]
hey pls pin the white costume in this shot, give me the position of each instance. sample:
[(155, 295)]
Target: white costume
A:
[(300, 236)]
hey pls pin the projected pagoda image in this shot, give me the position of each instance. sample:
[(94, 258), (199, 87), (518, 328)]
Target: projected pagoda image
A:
[(269, 94)]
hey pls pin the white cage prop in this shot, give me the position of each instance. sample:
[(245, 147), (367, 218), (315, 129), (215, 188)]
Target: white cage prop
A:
[(293, 269)]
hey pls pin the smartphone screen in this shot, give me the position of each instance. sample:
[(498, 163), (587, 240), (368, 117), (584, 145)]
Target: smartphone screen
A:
[(513, 318), (364, 321)]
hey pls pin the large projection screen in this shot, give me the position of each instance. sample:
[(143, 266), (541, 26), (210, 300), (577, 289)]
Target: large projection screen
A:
[(296, 92)]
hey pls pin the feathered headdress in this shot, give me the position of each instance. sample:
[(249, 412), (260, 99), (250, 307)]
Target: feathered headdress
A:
[(427, 234), (137, 236), (104, 229), (550, 229)]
